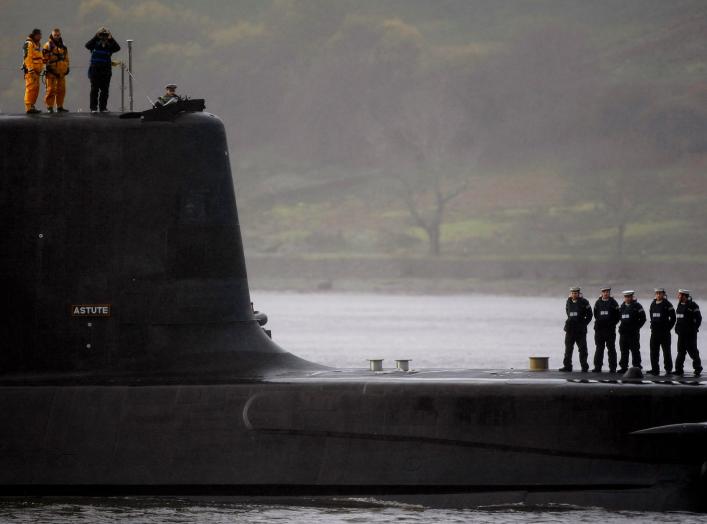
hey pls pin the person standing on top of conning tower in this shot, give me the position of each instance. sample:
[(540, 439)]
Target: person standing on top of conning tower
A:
[(102, 47), (688, 324), (633, 316), (662, 314), (32, 65), (579, 315), (170, 96), (56, 56), (606, 316)]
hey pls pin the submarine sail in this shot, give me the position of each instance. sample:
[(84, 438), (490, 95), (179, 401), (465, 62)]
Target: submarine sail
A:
[(122, 253)]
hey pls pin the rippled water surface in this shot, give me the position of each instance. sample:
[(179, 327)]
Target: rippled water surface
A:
[(344, 330), (153, 510)]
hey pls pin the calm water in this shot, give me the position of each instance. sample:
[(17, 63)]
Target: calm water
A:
[(344, 330), (469, 331)]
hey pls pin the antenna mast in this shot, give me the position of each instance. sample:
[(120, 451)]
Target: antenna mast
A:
[(122, 86), (130, 73)]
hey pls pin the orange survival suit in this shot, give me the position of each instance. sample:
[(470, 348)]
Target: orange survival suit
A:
[(56, 56), (32, 65)]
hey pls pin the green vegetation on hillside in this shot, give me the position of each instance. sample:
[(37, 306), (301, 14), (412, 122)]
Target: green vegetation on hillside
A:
[(508, 128)]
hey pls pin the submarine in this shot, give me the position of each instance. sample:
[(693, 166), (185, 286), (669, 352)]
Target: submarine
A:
[(132, 362)]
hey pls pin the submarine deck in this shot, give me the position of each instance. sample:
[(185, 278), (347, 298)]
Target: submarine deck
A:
[(482, 375), (332, 375)]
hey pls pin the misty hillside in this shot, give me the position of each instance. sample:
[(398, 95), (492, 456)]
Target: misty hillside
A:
[(406, 127)]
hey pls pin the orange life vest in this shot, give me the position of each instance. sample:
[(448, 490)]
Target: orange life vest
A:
[(34, 58), (57, 58)]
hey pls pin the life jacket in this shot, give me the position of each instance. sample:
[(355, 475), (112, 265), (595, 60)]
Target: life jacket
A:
[(57, 57), (33, 57)]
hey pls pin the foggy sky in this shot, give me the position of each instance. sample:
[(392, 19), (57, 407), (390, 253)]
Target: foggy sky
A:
[(609, 95)]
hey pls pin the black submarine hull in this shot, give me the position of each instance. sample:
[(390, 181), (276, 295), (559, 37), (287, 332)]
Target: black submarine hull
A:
[(455, 442), (132, 361), (459, 441)]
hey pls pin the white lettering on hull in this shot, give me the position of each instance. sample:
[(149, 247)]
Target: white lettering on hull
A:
[(90, 310)]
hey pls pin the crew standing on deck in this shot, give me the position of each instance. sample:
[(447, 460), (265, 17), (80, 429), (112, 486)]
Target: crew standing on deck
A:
[(633, 316), (56, 56), (662, 315), (606, 316), (32, 66), (579, 315), (688, 323), (102, 47)]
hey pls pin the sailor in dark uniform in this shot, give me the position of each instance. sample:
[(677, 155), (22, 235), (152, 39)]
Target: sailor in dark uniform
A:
[(579, 315), (662, 315), (633, 316), (606, 316), (688, 323)]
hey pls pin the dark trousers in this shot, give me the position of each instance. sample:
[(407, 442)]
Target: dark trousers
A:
[(661, 338), (630, 343), (572, 338), (687, 343), (100, 84), (604, 339)]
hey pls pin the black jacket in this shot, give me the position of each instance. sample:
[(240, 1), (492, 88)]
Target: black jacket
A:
[(633, 316), (101, 52), (606, 314), (662, 315), (579, 315), (689, 318)]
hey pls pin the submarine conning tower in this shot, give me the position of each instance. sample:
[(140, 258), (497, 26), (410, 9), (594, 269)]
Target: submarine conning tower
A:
[(122, 256)]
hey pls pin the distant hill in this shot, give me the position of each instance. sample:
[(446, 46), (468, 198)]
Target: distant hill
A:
[(571, 126)]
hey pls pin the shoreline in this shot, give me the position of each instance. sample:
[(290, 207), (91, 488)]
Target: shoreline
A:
[(425, 276), (448, 287)]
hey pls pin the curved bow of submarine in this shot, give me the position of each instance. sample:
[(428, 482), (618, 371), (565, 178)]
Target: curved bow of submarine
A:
[(122, 254)]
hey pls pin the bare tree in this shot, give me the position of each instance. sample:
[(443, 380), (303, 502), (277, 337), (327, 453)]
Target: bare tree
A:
[(624, 171), (626, 180), (430, 217), (430, 153), (624, 196)]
